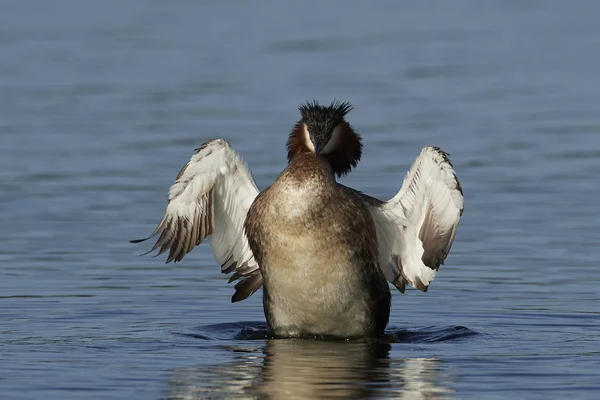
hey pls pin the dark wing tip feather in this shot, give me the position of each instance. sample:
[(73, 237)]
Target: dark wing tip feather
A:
[(229, 265), (400, 285), (401, 280), (208, 143), (246, 287), (446, 157), (179, 234), (234, 277), (420, 285)]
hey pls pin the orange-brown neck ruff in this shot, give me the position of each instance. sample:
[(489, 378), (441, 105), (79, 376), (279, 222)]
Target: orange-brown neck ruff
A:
[(342, 158)]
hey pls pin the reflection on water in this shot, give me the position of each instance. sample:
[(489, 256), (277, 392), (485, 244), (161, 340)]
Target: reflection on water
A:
[(307, 369)]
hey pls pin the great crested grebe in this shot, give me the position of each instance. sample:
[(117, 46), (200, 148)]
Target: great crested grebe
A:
[(322, 251)]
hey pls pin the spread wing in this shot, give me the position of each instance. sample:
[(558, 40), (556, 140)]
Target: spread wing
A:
[(416, 228), (210, 198)]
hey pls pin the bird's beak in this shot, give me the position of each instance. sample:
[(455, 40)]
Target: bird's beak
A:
[(319, 148)]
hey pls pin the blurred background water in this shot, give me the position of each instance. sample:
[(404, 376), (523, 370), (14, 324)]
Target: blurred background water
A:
[(102, 102)]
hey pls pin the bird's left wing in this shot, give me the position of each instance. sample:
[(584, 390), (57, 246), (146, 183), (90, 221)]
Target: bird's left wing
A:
[(416, 228), (210, 198)]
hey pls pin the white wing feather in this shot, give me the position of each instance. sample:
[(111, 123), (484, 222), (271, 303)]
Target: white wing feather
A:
[(416, 228), (210, 198)]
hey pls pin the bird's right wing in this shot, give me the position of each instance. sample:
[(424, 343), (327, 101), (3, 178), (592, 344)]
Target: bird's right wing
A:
[(210, 198)]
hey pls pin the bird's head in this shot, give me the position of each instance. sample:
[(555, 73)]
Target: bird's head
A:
[(322, 130)]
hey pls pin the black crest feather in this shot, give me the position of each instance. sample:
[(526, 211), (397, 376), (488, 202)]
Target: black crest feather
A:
[(336, 111)]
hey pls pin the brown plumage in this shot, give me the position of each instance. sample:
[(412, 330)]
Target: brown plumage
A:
[(316, 245)]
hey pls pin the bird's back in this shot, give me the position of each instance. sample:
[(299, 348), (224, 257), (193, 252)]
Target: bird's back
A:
[(316, 246)]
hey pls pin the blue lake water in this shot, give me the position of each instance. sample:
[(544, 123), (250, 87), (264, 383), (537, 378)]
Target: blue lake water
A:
[(101, 103)]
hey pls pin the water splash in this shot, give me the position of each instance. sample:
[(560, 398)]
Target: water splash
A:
[(252, 330)]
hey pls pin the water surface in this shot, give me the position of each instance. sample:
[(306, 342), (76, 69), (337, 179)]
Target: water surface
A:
[(101, 103)]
